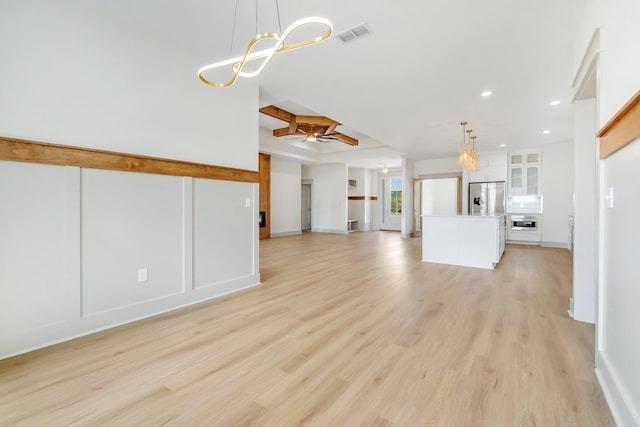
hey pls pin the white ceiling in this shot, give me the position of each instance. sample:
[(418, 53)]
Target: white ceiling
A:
[(408, 84)]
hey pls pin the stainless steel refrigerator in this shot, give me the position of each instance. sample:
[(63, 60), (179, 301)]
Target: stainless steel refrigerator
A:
[(486, 198)]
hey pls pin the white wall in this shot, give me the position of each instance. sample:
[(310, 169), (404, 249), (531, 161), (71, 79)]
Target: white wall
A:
[(436, 166), (617, 350), (440, 196), (408, 171), (73, 239), (619, 76), (585, 208), (373, 206), (356, 209), (286, 176), (557, 184), (328, 197), (73, 78)]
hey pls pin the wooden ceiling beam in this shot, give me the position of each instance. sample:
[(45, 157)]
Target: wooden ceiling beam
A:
[(293, 127), (306, 125), (283, 132), (331, 129), (315, 120), (312, 129), (278, 113), (345, 138)]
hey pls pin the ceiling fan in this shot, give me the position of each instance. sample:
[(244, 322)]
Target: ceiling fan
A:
[(313, 128)]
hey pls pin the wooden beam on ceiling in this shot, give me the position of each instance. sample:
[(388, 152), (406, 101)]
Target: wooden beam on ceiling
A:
[(278, 113), (283, 132), (345, 138), (316, 120), (331, 129), (312, 129)]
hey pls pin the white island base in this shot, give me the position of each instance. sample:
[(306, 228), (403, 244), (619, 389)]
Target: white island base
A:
[(466, 240)]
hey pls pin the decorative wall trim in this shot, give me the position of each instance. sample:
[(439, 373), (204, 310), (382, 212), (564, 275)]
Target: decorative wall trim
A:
[(287, 233), (618, 399), (328, 230), (623, 128), (363, 197), (561, 245), (19, 150)]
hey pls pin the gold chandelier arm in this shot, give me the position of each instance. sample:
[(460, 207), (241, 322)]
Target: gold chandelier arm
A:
[(238, 63), (298, 24)]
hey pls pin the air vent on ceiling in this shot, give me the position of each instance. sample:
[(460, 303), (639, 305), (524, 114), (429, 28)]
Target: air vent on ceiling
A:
[(354, 33)]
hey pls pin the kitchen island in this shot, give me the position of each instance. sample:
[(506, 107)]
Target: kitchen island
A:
[(466, 240)]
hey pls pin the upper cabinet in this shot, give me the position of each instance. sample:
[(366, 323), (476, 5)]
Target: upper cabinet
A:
[(492, 166), (524, 173)]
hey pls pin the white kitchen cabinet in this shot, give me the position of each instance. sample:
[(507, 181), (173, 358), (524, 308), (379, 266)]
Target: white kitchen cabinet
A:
[(524, 173)]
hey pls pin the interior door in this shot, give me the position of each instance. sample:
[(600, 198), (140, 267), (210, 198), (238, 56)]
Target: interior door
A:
[(391, 191)]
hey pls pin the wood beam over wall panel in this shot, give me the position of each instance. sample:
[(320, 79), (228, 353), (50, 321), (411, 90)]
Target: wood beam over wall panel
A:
[(19, 150), (622, 129)]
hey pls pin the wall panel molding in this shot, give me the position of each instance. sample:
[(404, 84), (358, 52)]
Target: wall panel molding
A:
[(363, 197), (622, 129), (19, 150)]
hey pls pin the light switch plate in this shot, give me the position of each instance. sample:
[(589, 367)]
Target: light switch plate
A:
[(142, 275), (609, 198)]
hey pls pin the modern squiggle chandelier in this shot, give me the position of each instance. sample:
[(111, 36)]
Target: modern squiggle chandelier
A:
[(467, 154), (238, 63)]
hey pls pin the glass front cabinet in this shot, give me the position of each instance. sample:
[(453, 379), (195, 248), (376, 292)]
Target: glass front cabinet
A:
[(524, 173)]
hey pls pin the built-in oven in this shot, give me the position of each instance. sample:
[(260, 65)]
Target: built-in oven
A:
[(524, 223)]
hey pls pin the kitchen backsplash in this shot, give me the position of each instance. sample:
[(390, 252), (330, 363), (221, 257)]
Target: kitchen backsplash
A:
[(524, 204)]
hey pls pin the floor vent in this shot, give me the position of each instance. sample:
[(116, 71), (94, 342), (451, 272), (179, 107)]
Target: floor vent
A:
[(353, 33)]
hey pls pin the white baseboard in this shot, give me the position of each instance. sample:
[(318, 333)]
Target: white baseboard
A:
[(78, 327), (328, 230), (570, 311), (562, 245), (620, 404), (522, 242), (286, 233)]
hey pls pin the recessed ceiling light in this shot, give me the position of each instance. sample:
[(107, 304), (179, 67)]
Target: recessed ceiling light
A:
[(546, 131), (556, 102), (486, 93), (502, 145)]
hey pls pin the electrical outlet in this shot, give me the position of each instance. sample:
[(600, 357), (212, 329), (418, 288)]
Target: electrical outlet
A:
[(142, 275)]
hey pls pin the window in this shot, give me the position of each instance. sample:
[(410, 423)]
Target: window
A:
[(396, 196)]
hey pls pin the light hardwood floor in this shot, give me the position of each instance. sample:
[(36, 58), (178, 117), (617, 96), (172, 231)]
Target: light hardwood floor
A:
[(346, 330)]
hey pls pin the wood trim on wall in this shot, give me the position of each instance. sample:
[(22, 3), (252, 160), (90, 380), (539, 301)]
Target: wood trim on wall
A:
[(19, 150), (363, 198), (622, 129)]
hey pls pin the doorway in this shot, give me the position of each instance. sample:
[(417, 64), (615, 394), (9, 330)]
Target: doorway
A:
[(391, 206), (305, 213), (439, 194)]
